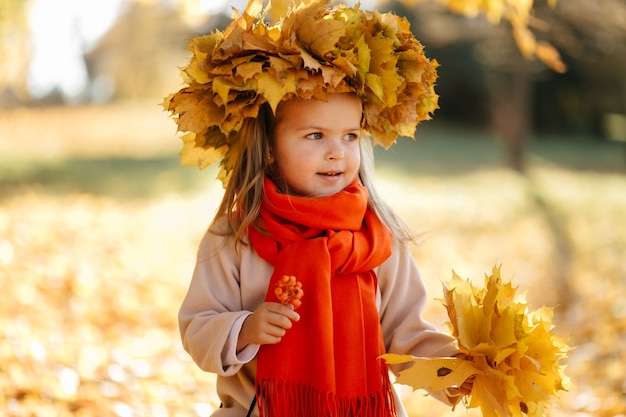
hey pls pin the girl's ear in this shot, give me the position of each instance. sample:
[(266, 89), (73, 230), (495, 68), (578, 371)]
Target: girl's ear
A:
[(270, 157)]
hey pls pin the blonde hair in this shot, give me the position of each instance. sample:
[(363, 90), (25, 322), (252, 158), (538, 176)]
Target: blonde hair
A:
[(243, 195), (385, 213)]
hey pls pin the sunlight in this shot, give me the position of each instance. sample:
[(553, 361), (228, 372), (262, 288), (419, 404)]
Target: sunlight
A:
[(61, 31)]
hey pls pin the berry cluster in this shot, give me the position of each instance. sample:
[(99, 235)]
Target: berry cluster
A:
[(289, 291)]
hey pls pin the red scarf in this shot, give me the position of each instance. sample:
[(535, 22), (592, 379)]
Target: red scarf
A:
[(327, 364)]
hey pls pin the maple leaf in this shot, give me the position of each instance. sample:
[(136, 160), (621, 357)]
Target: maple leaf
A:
[(314, 28), (192, 155), (248, 70), (272, 89), (550, 56), (195, 109), (512, 353), (518, 13), (222, 87), (525, 40), (431, 374), (321, 36), (383, 70)]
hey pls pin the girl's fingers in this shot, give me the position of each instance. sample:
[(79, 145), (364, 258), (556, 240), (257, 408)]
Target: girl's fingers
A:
[(275, 331), (281, 315), (268, 324)]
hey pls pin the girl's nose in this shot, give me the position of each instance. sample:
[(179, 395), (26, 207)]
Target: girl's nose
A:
[(335, 150)]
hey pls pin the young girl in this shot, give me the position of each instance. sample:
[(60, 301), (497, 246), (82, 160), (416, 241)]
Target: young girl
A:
[(299, 202)]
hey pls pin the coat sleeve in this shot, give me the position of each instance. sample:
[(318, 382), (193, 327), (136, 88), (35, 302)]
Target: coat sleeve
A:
[(403, 298), (212, 313)]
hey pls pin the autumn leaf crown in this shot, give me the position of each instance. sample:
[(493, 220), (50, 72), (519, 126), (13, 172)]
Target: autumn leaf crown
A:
[(312, 52)]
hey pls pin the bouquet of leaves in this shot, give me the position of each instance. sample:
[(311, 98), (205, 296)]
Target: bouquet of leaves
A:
[(510, 353)]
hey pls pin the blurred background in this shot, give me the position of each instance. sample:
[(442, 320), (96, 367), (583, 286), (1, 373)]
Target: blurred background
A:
[(522, 166)]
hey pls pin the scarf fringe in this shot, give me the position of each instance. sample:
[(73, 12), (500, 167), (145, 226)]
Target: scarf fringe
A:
[(280, 398)]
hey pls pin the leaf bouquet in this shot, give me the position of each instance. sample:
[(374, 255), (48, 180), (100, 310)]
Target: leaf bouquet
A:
[(511, 353)]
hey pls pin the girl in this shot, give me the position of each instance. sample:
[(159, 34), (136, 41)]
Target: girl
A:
[(299, 201)]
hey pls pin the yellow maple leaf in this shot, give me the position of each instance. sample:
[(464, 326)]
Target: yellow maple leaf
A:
[(431, 374), (271, 88), (550, 56), (512, 353), (525, 40), (322, 36), (192, 155), (194, 109), (201, 47), (383, 70)]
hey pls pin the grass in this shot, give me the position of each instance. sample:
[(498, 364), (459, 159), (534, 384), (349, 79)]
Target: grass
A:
[(124, 178)]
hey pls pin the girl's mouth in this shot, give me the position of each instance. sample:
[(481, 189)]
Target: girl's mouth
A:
[(330, 174)]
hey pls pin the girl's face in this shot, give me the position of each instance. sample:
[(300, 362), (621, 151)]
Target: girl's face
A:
[(316, 144)]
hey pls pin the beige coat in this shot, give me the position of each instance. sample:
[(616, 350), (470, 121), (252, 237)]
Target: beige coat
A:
[(227, 286)]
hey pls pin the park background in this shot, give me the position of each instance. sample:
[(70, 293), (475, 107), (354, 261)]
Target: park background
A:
[(522, 166)]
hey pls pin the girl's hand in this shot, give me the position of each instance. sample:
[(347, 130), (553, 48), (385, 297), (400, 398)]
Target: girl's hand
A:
[(267, 325)]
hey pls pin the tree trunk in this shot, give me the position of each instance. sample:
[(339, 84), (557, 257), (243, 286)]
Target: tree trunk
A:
[(510, 111)]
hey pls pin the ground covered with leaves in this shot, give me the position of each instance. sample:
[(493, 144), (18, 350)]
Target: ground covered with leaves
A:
[(93, 279)]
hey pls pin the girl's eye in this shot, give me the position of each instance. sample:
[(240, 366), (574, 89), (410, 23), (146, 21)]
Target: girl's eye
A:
[(315, 136), (351, 137)]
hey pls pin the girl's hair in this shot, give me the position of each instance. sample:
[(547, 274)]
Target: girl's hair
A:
[(242, 198), (385, 213)]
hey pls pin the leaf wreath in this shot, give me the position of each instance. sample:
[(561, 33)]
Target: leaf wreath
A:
[(312, 52)]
